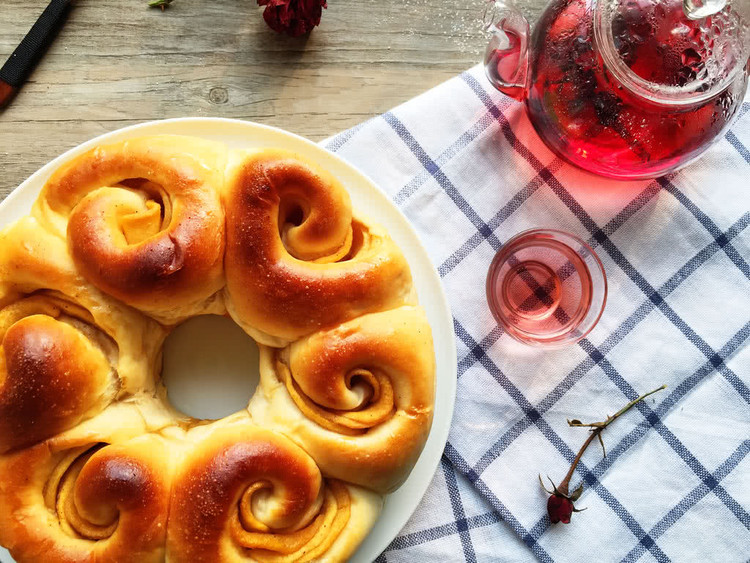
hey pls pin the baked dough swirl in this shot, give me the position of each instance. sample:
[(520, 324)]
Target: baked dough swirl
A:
[(297, 260), (358, 397), (144, 222), (249, 493), (126, 241), (77, 498)]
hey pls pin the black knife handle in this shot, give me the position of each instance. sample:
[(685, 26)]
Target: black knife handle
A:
[(20, 64)]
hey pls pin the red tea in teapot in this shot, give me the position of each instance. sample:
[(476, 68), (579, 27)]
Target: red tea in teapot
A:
[(625, 89)]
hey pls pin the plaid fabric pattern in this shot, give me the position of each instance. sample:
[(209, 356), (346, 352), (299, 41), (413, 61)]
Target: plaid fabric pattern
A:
[(465, 166)]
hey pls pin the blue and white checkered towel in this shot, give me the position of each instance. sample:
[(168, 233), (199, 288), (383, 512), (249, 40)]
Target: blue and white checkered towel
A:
[(464, 164)]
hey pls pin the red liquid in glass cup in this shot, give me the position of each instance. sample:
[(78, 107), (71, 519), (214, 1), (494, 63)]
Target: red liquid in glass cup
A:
[(546, 287), (584, 108)]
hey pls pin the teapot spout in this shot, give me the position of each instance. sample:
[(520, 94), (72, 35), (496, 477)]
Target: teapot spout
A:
[(506, 59)]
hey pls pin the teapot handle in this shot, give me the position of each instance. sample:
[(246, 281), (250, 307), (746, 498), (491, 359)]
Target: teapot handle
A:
[(506, 59)]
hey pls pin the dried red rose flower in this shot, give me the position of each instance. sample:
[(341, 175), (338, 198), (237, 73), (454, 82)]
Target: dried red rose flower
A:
[(559, 509), (560, 503), (293, 17)]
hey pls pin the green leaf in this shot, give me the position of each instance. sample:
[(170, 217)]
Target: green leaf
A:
[(159, 3)]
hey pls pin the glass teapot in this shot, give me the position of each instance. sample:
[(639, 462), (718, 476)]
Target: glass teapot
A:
[(624, 88)]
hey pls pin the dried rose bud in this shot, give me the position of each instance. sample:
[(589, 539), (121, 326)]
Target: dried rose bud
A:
[(293, 17), (560, 504), (559, 509)]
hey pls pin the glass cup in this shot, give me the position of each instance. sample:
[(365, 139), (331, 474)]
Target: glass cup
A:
[(546, 287)]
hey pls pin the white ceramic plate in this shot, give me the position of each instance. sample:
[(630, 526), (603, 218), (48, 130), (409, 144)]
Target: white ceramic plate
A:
[(365, 196)]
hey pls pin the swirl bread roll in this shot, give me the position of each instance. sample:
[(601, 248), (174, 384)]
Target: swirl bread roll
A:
[(94, 494), (66, 350), (358, 398), (244, 493), (144, 222), (297, 260)]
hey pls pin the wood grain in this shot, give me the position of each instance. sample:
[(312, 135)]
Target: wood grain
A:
[(116, 63)]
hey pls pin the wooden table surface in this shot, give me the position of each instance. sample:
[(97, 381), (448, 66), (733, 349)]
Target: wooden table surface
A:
[(117, 62)]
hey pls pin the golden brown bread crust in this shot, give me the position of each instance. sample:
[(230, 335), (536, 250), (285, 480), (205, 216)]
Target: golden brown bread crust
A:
[(296, 261), (78, 500), (94, 463), (144, 221), (53, 377), (245, 493), (66, 351), (359, 397)]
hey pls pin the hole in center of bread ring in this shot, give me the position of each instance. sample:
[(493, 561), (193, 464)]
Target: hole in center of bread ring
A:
[(210, 367)]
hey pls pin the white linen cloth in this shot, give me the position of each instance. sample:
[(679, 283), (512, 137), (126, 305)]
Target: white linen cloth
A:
[(464, 164)]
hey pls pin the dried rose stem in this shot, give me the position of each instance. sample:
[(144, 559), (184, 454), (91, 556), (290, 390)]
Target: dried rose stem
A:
[(597, 429), (563, 486)]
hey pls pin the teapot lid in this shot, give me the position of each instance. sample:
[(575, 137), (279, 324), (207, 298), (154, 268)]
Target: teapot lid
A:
[(674, 51)]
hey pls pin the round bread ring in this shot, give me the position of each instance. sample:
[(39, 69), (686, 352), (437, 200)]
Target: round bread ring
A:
[(144, 222), (249, 493), (98, 466), (296, 260), (66, 350)]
